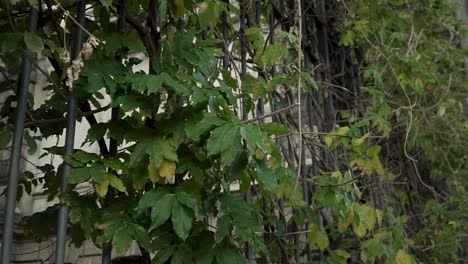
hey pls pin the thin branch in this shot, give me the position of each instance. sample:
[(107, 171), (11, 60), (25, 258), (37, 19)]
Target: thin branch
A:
[(331, 185), (63, 119), (299, 89), (271, 114), (76, 22)]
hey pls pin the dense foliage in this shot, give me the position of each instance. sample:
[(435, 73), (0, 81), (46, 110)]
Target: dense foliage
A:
[(202, 172)]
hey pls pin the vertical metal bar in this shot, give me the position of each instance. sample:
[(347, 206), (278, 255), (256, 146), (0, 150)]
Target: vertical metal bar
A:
[(305, 186), (244, 114), (107, 246), (224, 19), (242, 36), (13, 170), (69, 143)]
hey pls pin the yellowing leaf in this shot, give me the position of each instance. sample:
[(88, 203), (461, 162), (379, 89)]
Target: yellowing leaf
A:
[(179, 8), (369, 166), (336, 174), (167, 169), (315, 236), (343, 224), (361, 140), (328, 140), (380, 215), (342, 253), (103, 187), (388, 176), (271, 161), (382, 235), (403, 258), (371, 217), (364, 256), (441, 110), (378, 166), (259, 153), (153, 173), (341, 131), (360, 230)]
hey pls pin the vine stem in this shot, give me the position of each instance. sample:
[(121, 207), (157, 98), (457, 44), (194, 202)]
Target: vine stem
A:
[(299, 89), (67, 15), (410, 104), (271, 114)]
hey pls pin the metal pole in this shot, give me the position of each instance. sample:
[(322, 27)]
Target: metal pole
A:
[(69, 143), (224, 20), (13, 170), (107, 247), (244, 114)]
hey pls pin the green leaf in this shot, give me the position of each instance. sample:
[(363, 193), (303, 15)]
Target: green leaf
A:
[(159, 149), (5, 137), (342, 253), (141, 236), (138, 153), (179, 8), (403, 258), (163, 254), (182, 255), (243, 219), (328, 140), (209, 14), (102, 187), (225, 140), (227, 254), (145, 82), (122, 240), (347, 39), (266, 177), (113, 163), (181, 220), (375, 248), (272, 54), (85, 157), (139, 174), (117, 183), (148, 200), (162, 210), (33, 42), (175, 85), (32, 145), (255, 138), (98, 172), (315, 236), (255, 37), (153, 173), (204, 251), (79, 175), (196, 128), (96, 132), (308, 78), (223, 228), (373, 151), (187, 200), (106, 3), (275, 129), (72, 162)]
